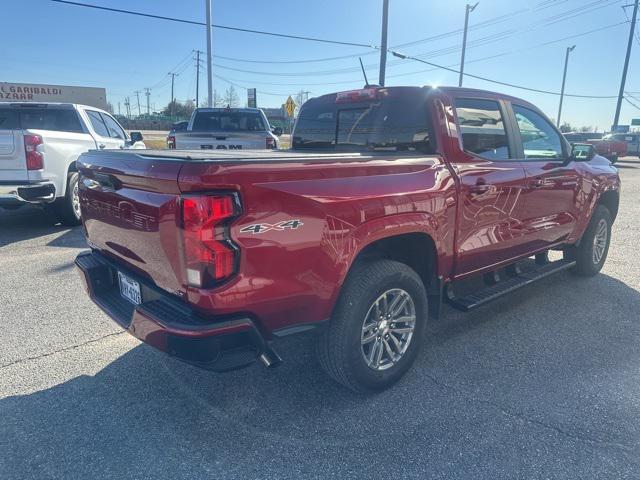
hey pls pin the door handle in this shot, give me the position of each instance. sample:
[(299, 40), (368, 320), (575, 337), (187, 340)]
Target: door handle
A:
[(480, 187), (101, 146), (537, 183)]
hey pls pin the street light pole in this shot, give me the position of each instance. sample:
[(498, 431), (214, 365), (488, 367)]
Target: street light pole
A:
[(469, 9), (564, 80), (383, 43), (632, 31), (209, 66)]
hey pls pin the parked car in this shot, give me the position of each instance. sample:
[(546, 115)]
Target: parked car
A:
[(176, 127), (39, 146), (388, 200), (607, 146), (227, 129), (631, 140)]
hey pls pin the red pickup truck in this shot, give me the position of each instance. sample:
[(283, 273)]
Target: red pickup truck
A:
[(608, 146), (389, 199)]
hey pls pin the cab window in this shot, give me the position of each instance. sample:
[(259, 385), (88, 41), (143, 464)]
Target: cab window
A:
[(482, 128), (539, 138), (97, 123), (115, 130)]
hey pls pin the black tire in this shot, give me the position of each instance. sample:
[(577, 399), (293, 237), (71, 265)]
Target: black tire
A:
[(64, 207), (340, 347), (588, 261)]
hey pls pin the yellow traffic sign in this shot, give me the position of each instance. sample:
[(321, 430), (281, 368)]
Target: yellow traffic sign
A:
[(290, 106)]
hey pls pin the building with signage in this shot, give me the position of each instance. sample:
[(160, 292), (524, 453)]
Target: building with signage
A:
[(32, 92)]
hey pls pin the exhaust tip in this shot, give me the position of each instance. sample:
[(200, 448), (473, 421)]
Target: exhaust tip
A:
[(270, 358)]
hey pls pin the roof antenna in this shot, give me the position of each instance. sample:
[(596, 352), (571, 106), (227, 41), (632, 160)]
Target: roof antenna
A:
[(366, 82)]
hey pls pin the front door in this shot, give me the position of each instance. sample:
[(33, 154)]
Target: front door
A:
[(552, 198), (491, 185)]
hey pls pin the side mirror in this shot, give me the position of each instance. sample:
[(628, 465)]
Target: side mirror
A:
[(582, 152), (277, 131), (136, 137)]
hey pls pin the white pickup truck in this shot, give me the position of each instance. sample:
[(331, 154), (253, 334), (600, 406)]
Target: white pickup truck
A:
[(39, 146), (226, 129)]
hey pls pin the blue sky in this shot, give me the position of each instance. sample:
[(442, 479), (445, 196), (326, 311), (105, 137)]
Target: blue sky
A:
[(65, 44)]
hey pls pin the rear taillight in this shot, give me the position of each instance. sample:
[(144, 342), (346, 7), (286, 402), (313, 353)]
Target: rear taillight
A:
[(35, 158), (171, 141), (210, 255), (271, 143)]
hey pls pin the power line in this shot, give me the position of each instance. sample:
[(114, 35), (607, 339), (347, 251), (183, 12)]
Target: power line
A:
[(631, 103), (497, 82), (222, 27), (496, 37), (510, 52)]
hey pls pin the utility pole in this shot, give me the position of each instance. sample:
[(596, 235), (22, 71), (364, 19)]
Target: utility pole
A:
[(383, 43), (209, 53), (464, 39), (118, 108), (632, 31), (171, 105), (198, 52), (564, 80), (127, 105), (147, 92), (137, 92)]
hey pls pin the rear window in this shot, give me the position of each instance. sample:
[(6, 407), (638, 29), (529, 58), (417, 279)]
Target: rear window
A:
[(396, 121), (9, 119), (57, 119), (228, 121)]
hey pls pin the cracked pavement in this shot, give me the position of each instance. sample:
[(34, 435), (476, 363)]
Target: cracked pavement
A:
[(544, 383)]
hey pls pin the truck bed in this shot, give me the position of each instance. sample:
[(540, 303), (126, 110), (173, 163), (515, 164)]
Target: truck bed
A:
[(255, 155)]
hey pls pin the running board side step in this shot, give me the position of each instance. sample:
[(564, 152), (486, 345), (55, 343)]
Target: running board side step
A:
[(488, 294)]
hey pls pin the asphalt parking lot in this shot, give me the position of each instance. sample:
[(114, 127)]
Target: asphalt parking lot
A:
[(542, 384)]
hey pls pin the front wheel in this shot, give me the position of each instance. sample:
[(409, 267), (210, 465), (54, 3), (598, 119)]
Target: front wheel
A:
[(377, 327), (592, 252)]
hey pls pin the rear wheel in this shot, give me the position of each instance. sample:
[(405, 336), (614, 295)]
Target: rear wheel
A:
[(592, 252), (377, 327), (68, 207)]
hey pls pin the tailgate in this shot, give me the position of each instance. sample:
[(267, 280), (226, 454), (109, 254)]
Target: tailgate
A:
[(221, 141), (13, 164), (130, 212)]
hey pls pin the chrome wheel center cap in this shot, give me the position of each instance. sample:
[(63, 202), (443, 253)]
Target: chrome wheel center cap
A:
[(383, 325)]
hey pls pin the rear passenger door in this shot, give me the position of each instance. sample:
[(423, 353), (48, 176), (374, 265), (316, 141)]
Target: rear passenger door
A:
[(552, 197), (107, 134), (491, 185)]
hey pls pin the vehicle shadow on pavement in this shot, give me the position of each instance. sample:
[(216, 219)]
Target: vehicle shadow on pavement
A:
[(30, 223), (543, 384)]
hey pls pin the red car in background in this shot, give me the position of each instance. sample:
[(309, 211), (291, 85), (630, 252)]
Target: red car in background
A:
[(607, 146)]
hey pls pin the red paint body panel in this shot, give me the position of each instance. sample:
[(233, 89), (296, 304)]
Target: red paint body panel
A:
[(131, 205)]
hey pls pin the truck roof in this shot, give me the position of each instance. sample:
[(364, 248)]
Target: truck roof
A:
[(446, 90), (48, 104), (227, 109)]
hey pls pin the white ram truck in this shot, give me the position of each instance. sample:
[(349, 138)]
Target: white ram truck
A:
[(226, 129), (39, 146)]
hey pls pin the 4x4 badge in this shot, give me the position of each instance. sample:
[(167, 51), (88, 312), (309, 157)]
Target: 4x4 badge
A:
[(265, 227)]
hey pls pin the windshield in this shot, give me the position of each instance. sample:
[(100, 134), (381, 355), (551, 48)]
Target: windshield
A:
[(398, 121), (228, 121)]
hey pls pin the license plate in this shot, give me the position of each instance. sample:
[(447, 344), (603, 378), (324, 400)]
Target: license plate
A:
[(129, 289)]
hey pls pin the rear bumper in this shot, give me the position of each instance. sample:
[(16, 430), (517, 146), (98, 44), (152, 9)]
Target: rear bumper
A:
[(169, 324), (21, 193)]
